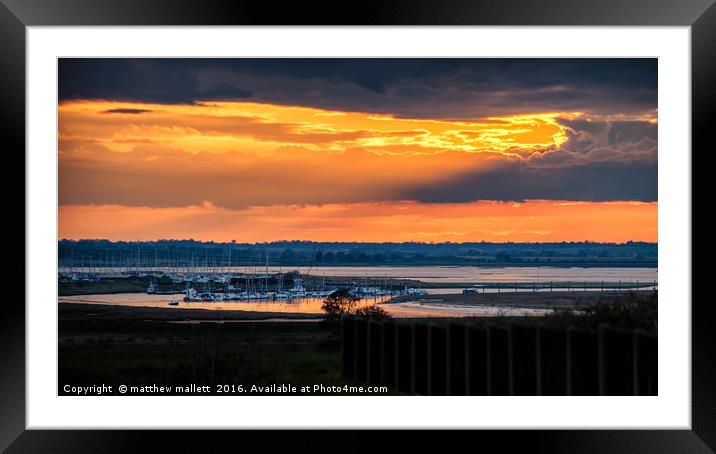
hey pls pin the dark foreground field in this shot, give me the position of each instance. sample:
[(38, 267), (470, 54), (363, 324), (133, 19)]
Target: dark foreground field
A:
[(114, 345), (242, 353)]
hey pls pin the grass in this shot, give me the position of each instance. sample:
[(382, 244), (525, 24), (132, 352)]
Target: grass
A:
[(130, 284), (144, 353), (631, 311)]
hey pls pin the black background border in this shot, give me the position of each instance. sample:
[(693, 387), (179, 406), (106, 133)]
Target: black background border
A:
[(15, 15)]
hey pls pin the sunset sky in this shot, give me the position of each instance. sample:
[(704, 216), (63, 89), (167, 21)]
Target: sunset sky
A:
[(429, 150)]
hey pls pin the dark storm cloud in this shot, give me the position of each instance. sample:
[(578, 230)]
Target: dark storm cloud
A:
[(584, 135), (601, 161), (127, 111), (138, 80), (608, 181), (428, 88), (632, 131)]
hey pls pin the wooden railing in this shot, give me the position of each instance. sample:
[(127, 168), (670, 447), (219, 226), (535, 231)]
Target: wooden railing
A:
[(466, 358)]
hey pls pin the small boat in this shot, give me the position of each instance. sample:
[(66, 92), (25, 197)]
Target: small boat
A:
[(174, 302)]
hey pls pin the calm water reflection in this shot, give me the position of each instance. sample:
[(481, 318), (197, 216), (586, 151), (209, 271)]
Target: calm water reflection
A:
[(306, 306), (303, 306)]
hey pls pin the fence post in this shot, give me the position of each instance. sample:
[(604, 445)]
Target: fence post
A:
[(437, 360), (522, 354), (348, 346), (616, 362), (476, 366), (404, 357), (420, 359), (389, 365), (646, 364), (375, 353), (583, 363), (497, 361), (457, 359), (361, 371), (551, 362)]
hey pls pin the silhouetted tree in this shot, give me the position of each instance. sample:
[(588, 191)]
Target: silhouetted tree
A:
[(373, 313), (338, 303)]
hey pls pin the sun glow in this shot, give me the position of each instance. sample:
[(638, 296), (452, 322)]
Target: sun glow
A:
[(258, 128)]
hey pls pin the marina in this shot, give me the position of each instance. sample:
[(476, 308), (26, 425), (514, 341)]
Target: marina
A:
[(274, 285)]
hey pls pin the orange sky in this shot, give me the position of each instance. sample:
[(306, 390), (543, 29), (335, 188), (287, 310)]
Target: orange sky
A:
[(260, 128), (531, 221), (259, 172)]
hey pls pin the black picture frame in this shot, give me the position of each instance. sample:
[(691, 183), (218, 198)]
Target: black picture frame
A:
[(16, 15)]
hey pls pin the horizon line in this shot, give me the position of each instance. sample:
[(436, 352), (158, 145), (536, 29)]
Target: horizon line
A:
[(356, 242)]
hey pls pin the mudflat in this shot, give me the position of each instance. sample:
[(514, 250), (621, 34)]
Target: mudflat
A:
[(541, 300), (87, 311)]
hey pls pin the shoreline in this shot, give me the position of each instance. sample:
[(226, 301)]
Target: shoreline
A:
[(100, 311), (115, 312), (518, 300)]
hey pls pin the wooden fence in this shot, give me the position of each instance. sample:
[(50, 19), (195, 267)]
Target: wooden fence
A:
[(463, 358)]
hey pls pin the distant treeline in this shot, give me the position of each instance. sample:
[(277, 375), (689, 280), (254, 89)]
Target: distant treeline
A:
[(190, 253)]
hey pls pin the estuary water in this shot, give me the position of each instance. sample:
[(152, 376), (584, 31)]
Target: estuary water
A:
[(440, 274), (427, 275), (474, 274), (302, 306)]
